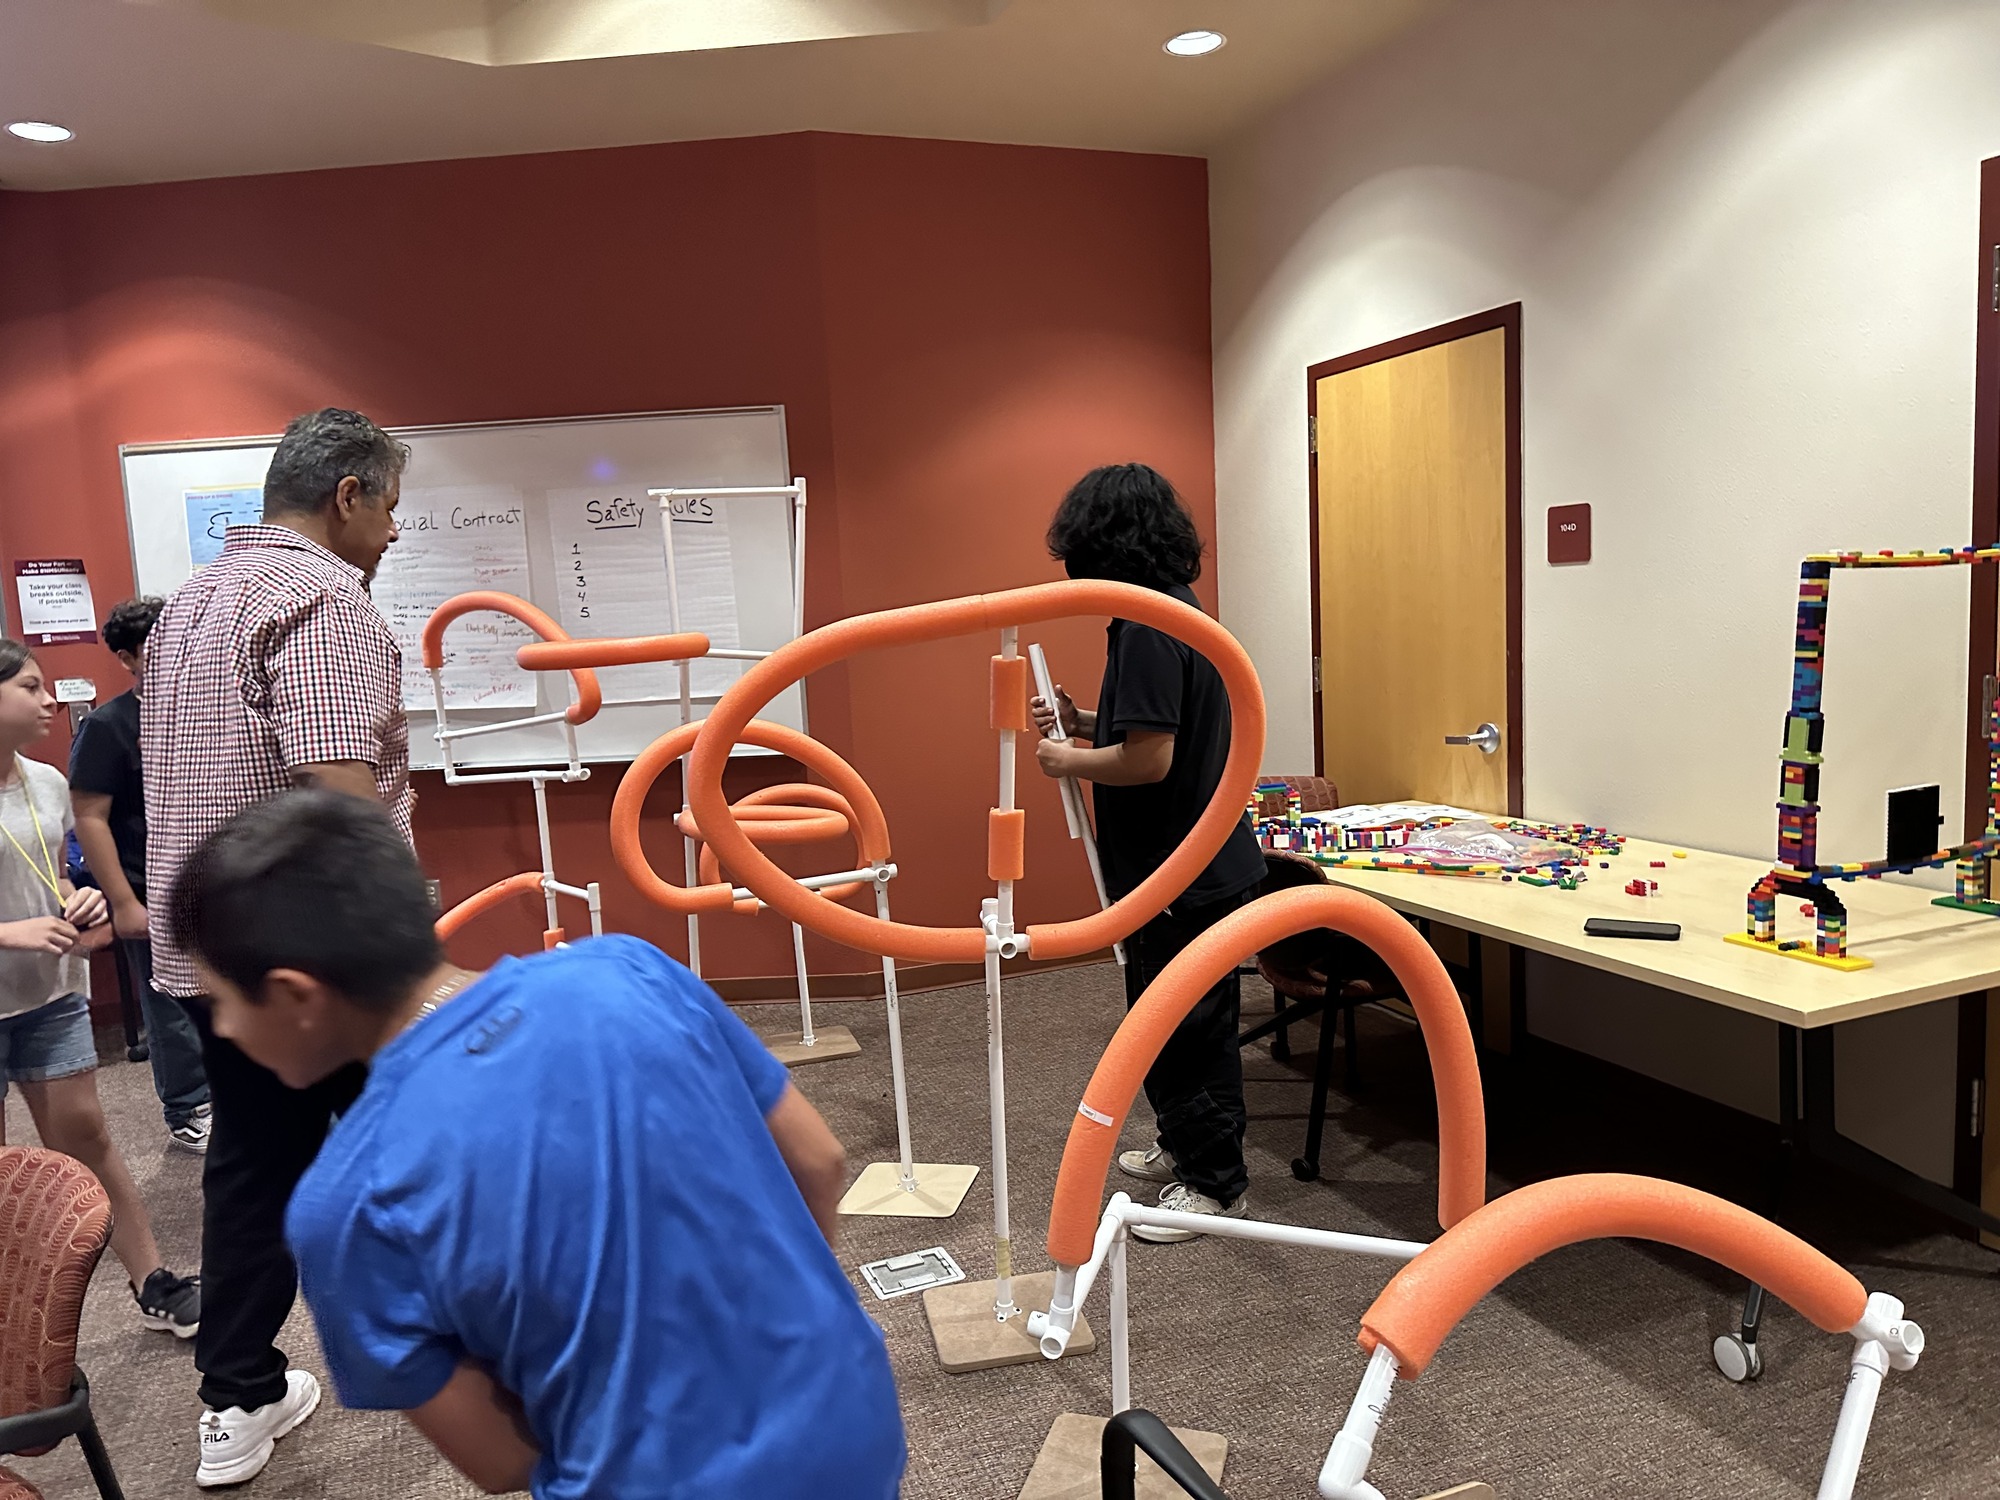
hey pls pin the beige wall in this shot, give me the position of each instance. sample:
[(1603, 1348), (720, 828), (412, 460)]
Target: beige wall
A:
[(1744, 234)]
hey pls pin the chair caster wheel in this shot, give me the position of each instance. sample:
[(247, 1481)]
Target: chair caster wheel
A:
[(1737, 1360), (1305, 1171), (138, 1054)]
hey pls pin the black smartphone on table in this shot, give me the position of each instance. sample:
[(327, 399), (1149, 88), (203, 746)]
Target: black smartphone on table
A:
[(1621, 927)]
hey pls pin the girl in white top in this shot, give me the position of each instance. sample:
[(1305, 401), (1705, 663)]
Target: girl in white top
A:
[(45, 1040)]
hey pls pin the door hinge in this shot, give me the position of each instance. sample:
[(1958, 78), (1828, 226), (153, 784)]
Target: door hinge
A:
[(1978, 1112), (1315, 674), (1312, 422)]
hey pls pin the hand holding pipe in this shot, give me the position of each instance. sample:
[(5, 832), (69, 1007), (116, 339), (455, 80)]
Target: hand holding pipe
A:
[(1072, 794), (929, 622), (588, 697)]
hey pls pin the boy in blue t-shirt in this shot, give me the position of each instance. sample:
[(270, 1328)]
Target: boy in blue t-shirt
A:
[(569, 1226)]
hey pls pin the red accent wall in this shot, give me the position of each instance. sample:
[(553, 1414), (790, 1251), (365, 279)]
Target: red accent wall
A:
[(956, 332)]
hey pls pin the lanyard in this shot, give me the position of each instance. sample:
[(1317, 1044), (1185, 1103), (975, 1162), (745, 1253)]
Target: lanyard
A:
[(46, 870)]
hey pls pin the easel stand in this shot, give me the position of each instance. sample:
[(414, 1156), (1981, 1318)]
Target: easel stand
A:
[(538, 777), (904, 1188)]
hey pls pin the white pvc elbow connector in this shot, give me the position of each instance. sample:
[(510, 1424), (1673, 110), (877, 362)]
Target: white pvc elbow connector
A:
[(1346, 1461)]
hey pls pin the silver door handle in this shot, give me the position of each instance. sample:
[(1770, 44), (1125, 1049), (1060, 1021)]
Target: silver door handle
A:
[(1486, 737)]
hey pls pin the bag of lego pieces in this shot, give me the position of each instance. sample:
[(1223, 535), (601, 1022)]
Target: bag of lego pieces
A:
[(1474, 841)]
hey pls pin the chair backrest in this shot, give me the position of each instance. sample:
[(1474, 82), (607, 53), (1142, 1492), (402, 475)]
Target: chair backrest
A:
[(55, 1221), (1289, 961)]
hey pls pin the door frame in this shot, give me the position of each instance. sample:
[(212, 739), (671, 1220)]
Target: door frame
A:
[(1507, 318)]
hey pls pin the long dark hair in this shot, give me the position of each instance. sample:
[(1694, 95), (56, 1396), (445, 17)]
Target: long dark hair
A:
[(1125, 522), (13, 657)]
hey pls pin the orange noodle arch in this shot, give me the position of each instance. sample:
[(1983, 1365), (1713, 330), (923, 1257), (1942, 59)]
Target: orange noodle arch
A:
[(527, 883), (1093, 1133), (930, 622), (1420, 1307)]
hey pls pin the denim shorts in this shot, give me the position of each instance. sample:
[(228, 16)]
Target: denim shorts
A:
[(50, 1041)]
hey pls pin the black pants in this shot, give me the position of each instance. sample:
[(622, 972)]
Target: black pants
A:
[(262, 1139), (1196, 1085)]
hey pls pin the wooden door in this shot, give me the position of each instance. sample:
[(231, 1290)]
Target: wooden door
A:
[(1416, 566)]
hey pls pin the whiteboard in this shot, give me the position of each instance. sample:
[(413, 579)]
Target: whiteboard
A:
[(515, 489)]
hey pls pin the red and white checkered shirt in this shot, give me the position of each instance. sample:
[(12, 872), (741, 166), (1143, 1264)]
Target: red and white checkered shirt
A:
[(271, 657)]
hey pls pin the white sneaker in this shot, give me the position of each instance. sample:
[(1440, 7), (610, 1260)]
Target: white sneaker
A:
[(1181, 1198), (236, 1444), (193, 1136), (1148, 1166)]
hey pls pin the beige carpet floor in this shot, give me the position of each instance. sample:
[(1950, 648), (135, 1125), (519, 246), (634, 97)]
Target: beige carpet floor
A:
[(1586, 1376)]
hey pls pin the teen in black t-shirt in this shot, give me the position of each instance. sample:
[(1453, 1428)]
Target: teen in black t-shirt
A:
[(1159, 736), (108, 789)]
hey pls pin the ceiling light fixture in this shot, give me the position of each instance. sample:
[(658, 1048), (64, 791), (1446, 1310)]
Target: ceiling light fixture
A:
[(1195, 43), (39, 130)]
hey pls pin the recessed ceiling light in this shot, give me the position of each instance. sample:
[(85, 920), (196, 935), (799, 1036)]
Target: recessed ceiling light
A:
[(1195, 43), (39, 130)]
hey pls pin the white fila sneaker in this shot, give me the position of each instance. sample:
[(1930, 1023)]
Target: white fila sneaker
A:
[(236, 1444)]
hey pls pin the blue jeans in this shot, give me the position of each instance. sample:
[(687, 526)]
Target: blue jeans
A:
[(171, 1040), (49, 1042)]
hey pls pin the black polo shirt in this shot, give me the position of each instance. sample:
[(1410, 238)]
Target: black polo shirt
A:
[(1155, 682), (104, 758)]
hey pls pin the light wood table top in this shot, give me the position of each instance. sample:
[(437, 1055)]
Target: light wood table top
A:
[(1921, 952)]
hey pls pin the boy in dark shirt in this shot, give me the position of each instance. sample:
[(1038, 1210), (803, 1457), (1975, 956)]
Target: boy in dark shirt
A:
[(110, 801), (1159, 736)]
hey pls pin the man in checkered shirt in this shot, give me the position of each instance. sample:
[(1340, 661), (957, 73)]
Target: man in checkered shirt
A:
[(270, 669)]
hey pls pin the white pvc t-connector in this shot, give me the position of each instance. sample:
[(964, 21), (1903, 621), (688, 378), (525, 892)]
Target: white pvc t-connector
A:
[(1883, 1322), (1340, 1477)]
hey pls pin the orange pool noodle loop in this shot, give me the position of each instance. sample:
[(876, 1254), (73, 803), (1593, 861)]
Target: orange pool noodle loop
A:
[(610, 651), (1006, 844), (1010, 693), (588, 698), (1093, 1134), (795, 800), (857, 804), (1425, 1301), (930, 622)]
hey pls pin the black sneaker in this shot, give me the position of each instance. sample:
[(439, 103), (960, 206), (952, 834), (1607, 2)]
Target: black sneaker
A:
[(170, 1303)]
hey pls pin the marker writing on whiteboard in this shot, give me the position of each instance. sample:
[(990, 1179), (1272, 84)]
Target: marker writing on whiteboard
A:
[(620, 513)]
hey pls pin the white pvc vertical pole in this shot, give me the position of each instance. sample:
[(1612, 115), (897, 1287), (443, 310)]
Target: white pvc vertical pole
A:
[(996, 1052), (688, 862), (805, 994), (909, 1172), (1121, 1330), (548, 850), (996, 1099), (1857, 1412), (596, 902)]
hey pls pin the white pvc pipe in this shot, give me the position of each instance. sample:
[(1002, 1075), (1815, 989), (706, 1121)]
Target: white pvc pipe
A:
[(820, 882), (473, 731), (1340, 1477), (996, 1101), (805, 993), (582, 893), (1857, 1412), (909, 1174), (1074, 813), (1121, 1347), (1276, 1234), (596, 899), (1009, 636), (548, 852), (690, 865)]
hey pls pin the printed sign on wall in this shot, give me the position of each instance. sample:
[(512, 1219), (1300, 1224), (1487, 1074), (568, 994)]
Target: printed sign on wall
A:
[(56, 608)]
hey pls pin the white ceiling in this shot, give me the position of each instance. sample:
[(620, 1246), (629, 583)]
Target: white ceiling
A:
[(162, 90)]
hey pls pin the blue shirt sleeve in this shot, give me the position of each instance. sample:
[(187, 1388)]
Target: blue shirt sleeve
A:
[(767, 1077), (384, 1342)]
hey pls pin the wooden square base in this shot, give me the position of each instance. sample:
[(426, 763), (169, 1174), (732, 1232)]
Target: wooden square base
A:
[(1473, 1491), (1067, 1468), (879, 1190), (968, 1337), (829, 1042)]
